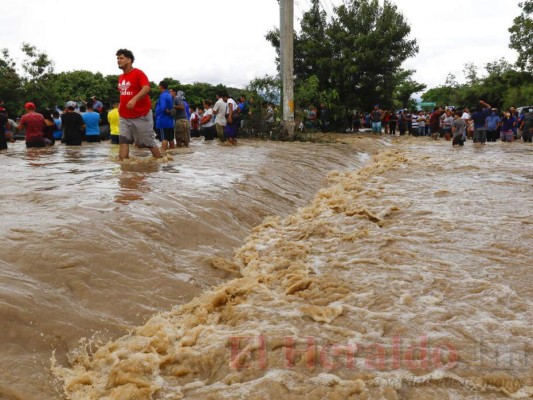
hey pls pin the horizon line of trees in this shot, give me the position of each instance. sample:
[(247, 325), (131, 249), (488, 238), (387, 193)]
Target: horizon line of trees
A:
[(35, 80)]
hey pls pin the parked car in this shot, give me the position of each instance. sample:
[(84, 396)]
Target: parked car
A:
[(523, 109)]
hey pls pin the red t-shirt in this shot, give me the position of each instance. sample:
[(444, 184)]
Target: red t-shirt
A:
[(129, 85), (34, 125)]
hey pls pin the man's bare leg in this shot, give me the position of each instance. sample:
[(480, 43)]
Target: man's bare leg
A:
[(124, 151), (156, 152)]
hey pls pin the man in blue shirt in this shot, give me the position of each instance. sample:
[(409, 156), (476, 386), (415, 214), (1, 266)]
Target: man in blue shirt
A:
[(479, 117), (491, 124), (164, 119), (91, 119)]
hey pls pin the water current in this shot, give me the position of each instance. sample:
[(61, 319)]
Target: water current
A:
[(367, 268)]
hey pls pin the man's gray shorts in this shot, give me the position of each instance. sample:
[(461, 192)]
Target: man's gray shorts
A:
[(138, 130)]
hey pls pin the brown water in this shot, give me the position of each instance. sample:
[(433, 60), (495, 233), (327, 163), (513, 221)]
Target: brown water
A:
[(90, 246), (405, 276)]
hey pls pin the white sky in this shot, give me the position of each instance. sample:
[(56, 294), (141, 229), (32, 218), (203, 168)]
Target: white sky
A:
[(223, 41)]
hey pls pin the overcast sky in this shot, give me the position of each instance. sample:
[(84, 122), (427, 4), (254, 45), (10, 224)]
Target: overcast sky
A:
[(224, 42)]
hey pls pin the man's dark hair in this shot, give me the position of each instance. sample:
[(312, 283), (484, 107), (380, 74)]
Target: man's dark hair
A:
[(125, 53), (164, 84), (90, 104)]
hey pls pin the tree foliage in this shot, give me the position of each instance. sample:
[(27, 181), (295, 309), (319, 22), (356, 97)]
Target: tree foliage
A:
[(405, 87), (35, 80), (370, 44), (522, 36), (501, 86), (353, 59), (10, 81), (268, 87)]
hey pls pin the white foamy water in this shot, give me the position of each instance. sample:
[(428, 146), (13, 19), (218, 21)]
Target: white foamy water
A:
[(406, 277)]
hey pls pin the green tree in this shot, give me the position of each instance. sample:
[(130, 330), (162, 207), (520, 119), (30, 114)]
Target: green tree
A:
[(81, 85), (405, 88), (267, 87), (10, 82), (356, 55), (522, 36), (308, 92), (37, 77), (370, 43), (312, 52), (501, 86)]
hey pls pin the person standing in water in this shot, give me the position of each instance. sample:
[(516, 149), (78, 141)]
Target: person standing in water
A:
[(34, 124), (3, 123), (164, 121), (135, 109), (458, 129)]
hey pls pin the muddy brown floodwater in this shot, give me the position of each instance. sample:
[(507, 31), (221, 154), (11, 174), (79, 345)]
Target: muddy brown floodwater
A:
[(367, 268)]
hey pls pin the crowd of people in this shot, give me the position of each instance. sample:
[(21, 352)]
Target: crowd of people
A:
[(485, 124), (174, 121)]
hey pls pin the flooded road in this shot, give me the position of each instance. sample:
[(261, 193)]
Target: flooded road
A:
[(243, 273)]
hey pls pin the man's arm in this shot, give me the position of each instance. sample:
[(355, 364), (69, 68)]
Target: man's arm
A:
[(143, 92), (487, 105), (179, 106)]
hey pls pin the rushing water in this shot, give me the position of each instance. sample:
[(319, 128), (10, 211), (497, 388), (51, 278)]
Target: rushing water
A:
[(403, 276)]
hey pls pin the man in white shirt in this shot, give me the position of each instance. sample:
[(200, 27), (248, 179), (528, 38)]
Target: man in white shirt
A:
[(220, 109), (466, 116)]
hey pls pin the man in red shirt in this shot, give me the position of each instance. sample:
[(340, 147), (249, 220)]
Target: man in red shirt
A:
[(34, 124), (434, 122), (135, 109)]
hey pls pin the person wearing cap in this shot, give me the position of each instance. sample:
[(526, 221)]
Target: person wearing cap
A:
[(135, 109), (72, 104), (33, 123), (97, 104)]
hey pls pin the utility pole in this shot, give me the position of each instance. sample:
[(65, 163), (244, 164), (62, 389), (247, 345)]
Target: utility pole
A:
[(286, 51)]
